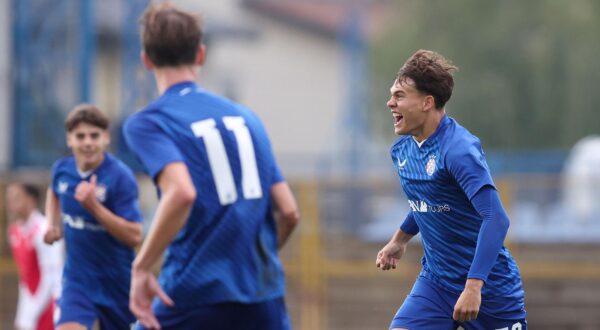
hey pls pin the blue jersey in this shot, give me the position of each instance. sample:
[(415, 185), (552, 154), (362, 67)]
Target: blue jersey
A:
[(97, 263), (439, 178), (227, 250)]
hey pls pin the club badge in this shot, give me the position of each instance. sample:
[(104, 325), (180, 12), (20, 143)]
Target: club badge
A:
[(430, 167)]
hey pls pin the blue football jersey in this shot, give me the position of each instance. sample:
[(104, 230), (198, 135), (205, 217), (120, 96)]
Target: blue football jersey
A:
[(96, 262), (439, 178), (227, 250)]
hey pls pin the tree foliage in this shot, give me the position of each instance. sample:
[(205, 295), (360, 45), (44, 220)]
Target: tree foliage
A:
[(529, 70)]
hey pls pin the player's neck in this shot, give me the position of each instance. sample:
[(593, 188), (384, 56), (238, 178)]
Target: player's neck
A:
[(84, 168), (169, 76), (431, 124)]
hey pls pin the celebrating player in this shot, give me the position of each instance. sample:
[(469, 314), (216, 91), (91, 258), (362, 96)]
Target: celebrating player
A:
[(96, 196), (468, 277)]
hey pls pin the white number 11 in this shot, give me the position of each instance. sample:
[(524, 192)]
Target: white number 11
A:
[(219, 163)]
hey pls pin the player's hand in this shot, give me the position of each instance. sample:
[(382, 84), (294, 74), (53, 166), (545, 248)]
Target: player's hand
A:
[(388, 257), (85, 193), (467, 306), (52, 235), (144, 287)]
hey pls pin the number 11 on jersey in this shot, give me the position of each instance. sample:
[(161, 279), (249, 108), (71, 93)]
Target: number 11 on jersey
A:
[(219, 163)]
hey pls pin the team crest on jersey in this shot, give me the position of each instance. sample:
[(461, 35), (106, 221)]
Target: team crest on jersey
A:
[(430, 167), (62, 187), (101, 193)]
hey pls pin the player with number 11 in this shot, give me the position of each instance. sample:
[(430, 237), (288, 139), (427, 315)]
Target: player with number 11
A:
[(219, 184)]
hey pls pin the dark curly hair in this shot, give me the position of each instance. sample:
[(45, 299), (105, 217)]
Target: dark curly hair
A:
[(431, 74)]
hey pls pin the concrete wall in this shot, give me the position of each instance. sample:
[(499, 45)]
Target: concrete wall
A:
[(290, 77)]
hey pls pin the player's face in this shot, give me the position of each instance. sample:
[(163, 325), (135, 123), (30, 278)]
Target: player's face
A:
[(407, 105), (88, 142), (17, 203)]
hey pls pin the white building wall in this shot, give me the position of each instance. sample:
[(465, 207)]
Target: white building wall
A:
[(290, 77)]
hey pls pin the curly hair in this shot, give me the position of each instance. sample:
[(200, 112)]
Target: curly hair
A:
[(431, 74)]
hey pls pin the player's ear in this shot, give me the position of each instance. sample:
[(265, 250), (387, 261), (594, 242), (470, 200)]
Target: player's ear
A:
[(146, 60), (201, 55), (428, 103)]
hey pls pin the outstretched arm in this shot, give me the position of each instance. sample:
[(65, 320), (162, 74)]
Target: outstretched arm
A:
[(286, 211)]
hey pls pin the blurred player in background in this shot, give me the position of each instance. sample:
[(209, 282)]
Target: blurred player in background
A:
[(96, 196), (220, 185), (39, 265), (468, 277)]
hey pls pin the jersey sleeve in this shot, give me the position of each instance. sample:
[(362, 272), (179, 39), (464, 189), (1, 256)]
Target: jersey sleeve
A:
[(467, 165), (491, 234), (277, 175), (126, 204), (409, 225), (150, 144)]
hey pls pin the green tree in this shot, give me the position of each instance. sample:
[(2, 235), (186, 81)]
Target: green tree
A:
[(528, 69)]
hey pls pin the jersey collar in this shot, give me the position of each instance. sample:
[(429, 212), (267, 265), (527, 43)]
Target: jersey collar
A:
[(86, 174), (180, 86), (443, 123)]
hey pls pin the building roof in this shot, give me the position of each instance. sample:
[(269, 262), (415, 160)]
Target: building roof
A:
[(326, 17)]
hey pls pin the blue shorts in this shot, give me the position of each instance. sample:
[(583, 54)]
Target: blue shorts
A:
[(430, 307), (75, 306), (268, 315)]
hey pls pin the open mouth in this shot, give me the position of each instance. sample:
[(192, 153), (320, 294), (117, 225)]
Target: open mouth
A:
[(397, 119)]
